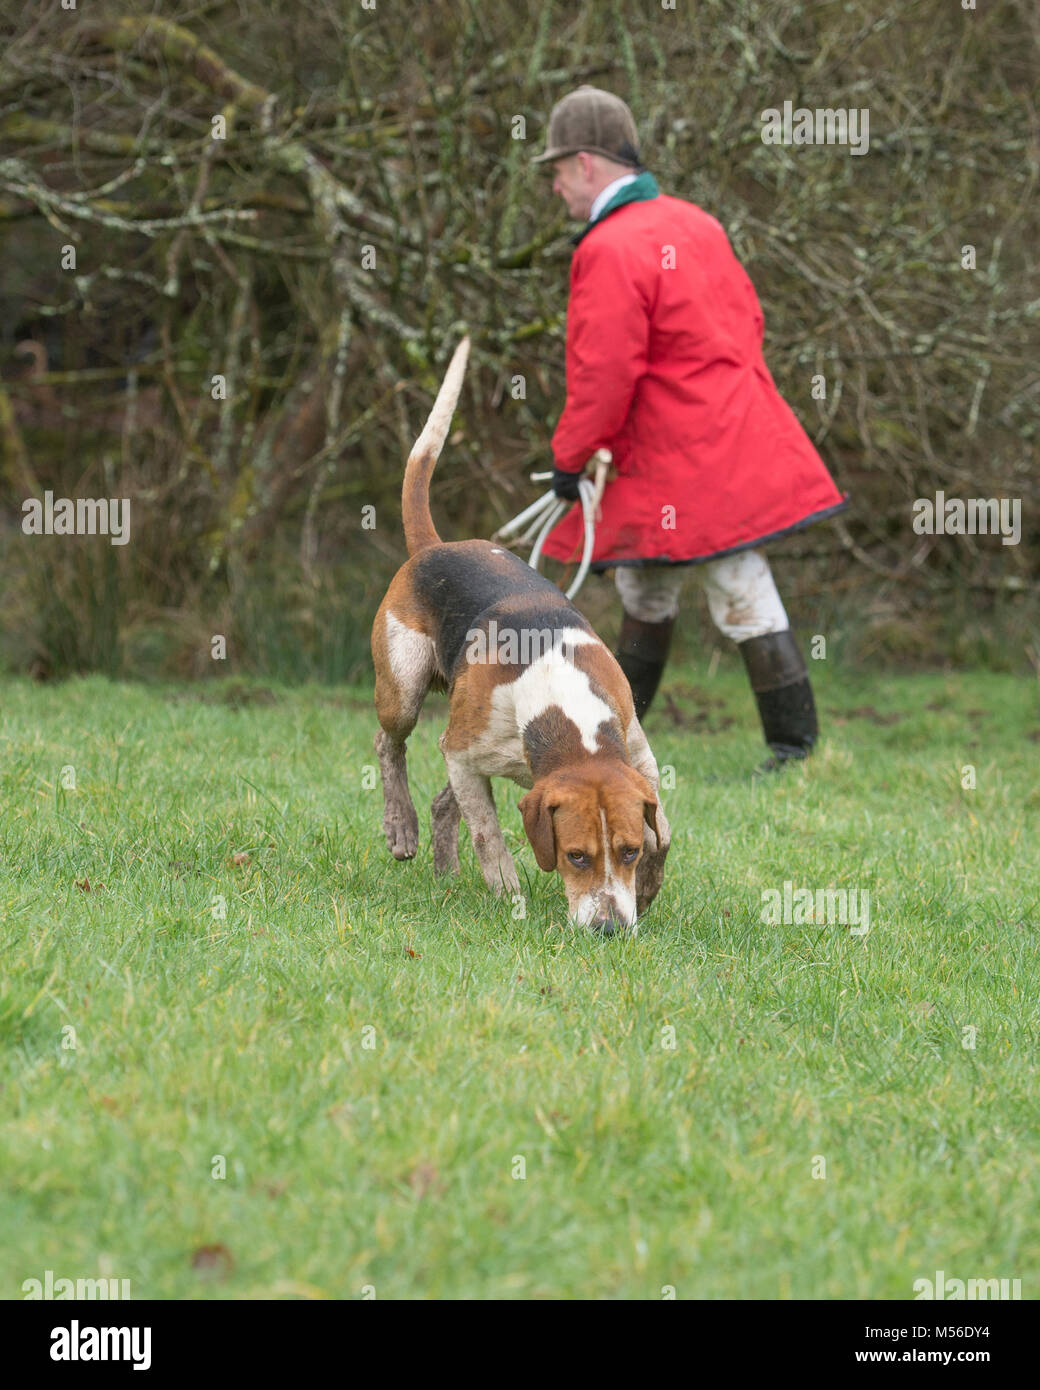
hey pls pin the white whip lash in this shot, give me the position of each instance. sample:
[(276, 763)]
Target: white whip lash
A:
[(547, 511)]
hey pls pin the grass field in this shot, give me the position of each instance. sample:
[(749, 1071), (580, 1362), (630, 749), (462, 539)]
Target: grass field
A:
[(376, 1055)]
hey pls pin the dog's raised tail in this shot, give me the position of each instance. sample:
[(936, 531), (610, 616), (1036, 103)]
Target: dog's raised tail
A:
[(419, 530)]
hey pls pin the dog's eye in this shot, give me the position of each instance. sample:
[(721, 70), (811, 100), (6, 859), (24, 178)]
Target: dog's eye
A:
[(628, 856), (579, 860)]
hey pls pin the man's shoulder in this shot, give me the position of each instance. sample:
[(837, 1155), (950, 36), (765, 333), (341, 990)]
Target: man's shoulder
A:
[(682, 210), (664, 210)]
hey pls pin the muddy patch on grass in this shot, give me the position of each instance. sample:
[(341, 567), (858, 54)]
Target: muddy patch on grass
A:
[(232, 694), (842, 716), (690, 707)]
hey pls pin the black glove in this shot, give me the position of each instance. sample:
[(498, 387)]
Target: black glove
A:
[(565, 485)]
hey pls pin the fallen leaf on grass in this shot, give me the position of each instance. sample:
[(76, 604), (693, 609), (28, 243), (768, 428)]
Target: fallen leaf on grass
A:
[(424, 1179)]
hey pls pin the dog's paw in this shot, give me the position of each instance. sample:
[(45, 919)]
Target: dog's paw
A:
[(505, 882), (445, 859), (402, 832)]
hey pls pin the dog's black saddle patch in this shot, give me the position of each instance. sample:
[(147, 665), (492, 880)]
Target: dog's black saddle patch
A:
[(466, 585)]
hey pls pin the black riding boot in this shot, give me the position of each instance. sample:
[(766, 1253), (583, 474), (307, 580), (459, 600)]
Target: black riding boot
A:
[(780, 683), (642, 651)]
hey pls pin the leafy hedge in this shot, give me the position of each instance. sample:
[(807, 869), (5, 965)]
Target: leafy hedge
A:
[(373, 195)]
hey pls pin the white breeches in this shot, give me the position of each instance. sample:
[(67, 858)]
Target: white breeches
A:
[(742, 595)]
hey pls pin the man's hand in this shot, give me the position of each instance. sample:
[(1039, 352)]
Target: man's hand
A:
[(565, 485)]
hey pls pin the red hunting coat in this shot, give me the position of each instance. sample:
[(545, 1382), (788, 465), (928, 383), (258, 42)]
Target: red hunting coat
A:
[(665, 369)]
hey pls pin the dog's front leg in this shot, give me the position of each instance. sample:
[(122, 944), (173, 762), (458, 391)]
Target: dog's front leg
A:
[(477, 805), (445, 820), (650, 869)]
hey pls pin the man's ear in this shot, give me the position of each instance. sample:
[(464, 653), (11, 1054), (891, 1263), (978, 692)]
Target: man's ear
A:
[(536, 809)]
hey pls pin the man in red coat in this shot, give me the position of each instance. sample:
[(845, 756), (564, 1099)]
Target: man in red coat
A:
[(665, 369)]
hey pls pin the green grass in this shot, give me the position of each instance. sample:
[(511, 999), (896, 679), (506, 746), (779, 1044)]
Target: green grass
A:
[(494, 1039)]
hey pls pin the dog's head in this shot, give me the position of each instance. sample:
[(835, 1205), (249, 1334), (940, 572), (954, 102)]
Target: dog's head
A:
[(588, 825)]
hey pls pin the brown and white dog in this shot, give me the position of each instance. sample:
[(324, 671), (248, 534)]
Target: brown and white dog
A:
[(534, 696)]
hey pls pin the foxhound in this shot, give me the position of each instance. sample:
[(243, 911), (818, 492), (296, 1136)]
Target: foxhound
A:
[(534, 695)]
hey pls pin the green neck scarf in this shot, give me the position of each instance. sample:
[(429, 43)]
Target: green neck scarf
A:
[(640, 191)]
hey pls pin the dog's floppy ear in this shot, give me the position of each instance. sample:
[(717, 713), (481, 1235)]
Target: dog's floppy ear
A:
[(537, 808), (649, 796)]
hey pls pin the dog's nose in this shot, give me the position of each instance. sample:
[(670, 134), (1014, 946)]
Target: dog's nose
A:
[(608, 925)]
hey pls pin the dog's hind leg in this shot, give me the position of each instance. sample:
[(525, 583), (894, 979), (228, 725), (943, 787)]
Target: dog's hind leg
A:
[(405, 664), (445, 816)]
